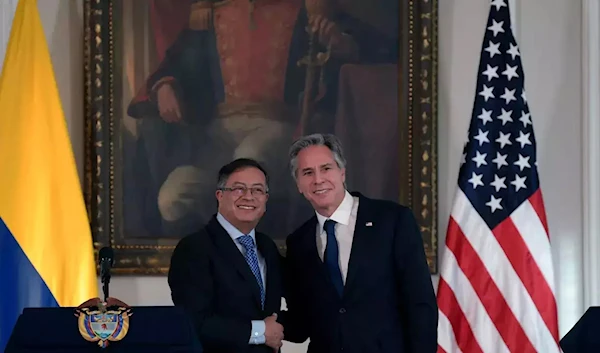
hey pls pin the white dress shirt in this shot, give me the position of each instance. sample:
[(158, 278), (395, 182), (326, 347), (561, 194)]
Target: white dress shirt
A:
[(257, 331), (345, 218)]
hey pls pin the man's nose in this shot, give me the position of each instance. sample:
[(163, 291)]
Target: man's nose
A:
[(248, 195), (318, 178)]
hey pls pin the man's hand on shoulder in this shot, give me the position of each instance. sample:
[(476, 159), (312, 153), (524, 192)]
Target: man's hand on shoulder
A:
[(273, 332)]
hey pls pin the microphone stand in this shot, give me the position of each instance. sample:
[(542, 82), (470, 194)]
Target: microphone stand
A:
[(105, 266)]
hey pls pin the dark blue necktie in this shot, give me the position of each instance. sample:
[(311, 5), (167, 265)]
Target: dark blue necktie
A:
[(331, 257)]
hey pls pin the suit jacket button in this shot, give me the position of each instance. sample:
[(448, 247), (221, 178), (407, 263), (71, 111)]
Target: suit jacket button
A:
[(342, 311)]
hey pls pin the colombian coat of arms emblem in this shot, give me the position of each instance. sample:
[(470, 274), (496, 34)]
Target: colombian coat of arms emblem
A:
[(101, 324)]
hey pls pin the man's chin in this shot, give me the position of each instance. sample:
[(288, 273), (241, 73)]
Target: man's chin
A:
[(248, 216), (321, 204)]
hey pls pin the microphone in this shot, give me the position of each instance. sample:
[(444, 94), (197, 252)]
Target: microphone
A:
[(106, 259)]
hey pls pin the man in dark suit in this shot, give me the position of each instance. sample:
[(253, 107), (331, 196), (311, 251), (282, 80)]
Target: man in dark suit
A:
[(358, 278), (227, 275)]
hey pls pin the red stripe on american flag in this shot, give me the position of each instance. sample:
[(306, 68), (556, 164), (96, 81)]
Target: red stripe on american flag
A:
[(528, 271), (537, 201), (492, 299), (441, 350), (448, 305)]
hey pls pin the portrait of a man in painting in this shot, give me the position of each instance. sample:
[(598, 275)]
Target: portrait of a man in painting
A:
[(178, 88)]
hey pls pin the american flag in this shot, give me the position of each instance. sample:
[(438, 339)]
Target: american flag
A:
[(496, 291)]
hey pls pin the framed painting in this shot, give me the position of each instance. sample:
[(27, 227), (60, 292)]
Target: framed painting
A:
[(174, 89)]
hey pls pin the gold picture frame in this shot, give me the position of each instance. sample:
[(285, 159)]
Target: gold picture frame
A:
[(416, 142)]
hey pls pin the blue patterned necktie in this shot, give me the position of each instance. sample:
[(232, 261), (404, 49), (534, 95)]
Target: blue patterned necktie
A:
[(252, 260), (331, 257)]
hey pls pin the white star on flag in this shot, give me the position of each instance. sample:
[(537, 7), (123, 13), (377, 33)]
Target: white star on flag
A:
[(487, 92), (510, 72), (485, 116), (505, 117), (491, 72), (496, 27), (493, 49)]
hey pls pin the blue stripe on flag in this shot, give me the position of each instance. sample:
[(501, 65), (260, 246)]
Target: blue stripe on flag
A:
[(22, 286)]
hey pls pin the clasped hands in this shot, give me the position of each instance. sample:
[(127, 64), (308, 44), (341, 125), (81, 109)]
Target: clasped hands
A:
[(273, 332)]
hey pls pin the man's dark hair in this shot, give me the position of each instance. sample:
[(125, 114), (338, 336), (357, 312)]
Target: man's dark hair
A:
[(238, 164)]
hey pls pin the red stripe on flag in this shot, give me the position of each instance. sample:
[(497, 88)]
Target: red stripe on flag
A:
[(448, 305), (537, 201), (441, 350), (492, 299), (520, 257)]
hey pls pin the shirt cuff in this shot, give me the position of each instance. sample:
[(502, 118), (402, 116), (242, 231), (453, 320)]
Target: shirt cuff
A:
[(257, 334)]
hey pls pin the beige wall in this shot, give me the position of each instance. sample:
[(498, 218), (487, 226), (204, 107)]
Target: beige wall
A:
[(550, 40)]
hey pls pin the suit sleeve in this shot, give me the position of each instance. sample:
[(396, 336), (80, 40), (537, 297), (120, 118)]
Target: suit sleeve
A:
[(294, 321), (419, 305), (190, 280)]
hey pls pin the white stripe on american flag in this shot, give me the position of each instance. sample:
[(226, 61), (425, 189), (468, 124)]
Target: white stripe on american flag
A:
[(461, 328), (483, 328), (528, 224), (521, 243), (447, 341), (502, 273)]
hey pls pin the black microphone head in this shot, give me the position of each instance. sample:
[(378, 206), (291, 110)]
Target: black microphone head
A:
[(106, 254)]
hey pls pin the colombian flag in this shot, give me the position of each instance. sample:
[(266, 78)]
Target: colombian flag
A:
[(46, 253)]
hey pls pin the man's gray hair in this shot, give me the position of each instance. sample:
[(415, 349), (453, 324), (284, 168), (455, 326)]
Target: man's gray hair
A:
[(328, 140)]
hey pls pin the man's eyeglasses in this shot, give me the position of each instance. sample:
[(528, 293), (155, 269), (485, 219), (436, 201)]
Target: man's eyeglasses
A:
[(240, 191)]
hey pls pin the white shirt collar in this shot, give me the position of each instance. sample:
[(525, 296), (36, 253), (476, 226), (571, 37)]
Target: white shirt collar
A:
[(233, 232), (341, 214)]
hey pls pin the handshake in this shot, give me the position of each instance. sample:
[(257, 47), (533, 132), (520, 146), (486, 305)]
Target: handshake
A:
[(273, 332)]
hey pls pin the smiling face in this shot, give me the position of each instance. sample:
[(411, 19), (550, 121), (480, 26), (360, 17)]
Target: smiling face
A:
[(320, 179), (243, 199)]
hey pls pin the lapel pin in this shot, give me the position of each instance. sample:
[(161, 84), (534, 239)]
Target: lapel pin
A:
[(369, 224)]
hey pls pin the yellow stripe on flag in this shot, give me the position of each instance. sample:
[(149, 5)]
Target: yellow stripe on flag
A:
[(41, 201)]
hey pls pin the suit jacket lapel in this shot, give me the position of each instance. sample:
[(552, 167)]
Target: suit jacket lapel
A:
[(227, 247), (314, 261), (360, 242), (271, 270)]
